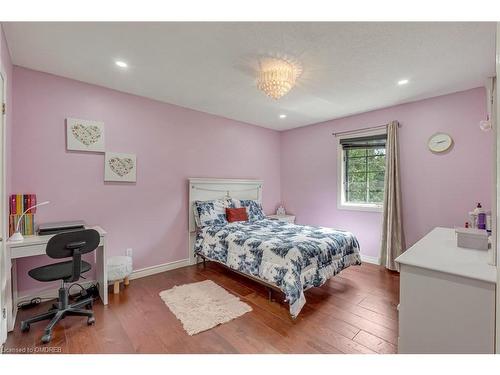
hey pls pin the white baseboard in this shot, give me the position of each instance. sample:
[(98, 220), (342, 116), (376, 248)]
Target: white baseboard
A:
[(148, 271), (52, 293), (369, 259)]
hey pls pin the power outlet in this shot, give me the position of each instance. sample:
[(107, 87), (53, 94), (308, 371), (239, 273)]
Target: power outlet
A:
[(129, 252)]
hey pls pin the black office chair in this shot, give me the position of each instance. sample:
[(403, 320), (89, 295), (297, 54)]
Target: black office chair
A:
[(65, 245)]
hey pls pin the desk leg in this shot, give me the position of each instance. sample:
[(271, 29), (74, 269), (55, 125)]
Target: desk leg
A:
[(10, 272), (102, 272)]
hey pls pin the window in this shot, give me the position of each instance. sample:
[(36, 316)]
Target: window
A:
[(361, 181)]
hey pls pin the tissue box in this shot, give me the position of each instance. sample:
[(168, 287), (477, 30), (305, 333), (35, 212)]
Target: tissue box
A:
[(472, 238)]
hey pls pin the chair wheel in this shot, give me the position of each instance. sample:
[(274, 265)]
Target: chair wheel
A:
[(25, 327), (46, 338), (91, 321)]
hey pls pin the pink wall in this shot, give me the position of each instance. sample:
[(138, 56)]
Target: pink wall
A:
[(8, 71), (171, 143), (438, 190), (174, 143)]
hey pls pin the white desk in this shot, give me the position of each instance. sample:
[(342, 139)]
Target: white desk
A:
[(447, 297), (35, 245)]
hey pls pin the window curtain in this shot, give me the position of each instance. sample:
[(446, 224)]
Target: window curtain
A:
[(393, 239)]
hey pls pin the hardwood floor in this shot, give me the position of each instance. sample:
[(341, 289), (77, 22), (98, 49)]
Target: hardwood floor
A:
[(355, 312)]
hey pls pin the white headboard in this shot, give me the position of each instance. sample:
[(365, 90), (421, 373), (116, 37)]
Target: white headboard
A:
[(204, 189)]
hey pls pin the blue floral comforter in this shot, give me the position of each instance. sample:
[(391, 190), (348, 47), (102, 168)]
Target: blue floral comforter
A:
[(292, 257)]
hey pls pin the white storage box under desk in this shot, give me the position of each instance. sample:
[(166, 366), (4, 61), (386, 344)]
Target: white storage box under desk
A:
[(447, 297)]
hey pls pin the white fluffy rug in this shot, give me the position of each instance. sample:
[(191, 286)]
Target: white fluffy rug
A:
[(204, 305)]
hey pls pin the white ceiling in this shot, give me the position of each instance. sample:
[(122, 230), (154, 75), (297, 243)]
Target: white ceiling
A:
[(347, 67)]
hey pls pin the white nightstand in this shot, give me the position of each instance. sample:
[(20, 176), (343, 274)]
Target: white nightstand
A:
[(287, 218)]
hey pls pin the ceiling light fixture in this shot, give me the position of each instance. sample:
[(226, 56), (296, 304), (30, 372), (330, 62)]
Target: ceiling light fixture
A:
[(121, 64), (403, 82), (282, 116), (277, 77)]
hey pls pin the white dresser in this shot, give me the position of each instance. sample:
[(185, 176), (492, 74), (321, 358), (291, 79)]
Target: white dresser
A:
[(447, 297)]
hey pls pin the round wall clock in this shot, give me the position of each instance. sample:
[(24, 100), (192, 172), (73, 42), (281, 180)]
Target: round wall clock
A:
[(440, 142)]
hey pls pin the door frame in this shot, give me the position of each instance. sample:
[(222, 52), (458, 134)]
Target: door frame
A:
[(496, 126), (3, 212)]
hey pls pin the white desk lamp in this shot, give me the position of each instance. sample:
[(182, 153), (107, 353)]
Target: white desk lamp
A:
[(17, 236)]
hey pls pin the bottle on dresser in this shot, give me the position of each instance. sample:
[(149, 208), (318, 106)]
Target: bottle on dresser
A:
[(480, 218)]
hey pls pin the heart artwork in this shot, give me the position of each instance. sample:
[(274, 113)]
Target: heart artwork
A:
[(121, 166), (88, 135)]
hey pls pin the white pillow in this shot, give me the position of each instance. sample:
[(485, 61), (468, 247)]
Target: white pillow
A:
[(213, 212)]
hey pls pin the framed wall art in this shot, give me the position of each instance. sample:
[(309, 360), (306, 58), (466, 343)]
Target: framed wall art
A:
[(120, 167), (84, 135)]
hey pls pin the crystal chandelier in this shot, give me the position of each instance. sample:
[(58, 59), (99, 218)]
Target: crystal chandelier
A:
[(277, 77)]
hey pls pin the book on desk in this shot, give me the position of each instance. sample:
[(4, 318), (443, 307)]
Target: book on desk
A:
[(18, 204)]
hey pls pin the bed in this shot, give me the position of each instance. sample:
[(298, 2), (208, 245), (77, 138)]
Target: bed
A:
[(288, 257)]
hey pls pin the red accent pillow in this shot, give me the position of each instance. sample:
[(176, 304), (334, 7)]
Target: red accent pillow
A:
[(236, 214)]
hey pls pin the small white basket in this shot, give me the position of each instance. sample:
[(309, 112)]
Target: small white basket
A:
[(472, 238)]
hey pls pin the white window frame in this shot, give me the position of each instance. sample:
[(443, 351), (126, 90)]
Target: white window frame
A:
[(341, 203)]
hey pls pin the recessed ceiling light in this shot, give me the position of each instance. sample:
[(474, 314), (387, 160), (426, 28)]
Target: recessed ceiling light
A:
[(403, 82), (121, 64), (282, 116)]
